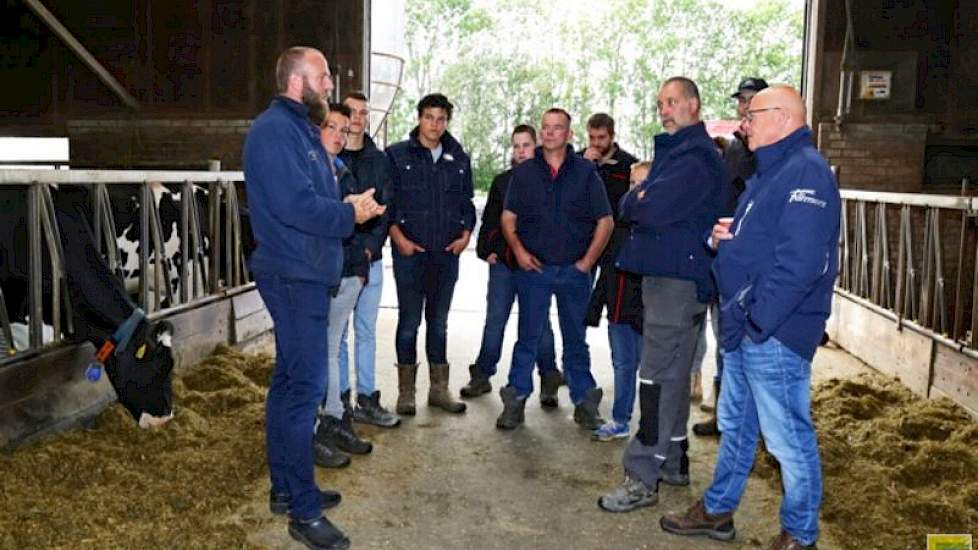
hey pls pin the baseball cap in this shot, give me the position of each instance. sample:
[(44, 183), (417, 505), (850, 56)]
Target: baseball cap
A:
[(750, 85)]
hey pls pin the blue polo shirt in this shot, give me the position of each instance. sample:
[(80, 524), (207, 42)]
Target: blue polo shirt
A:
[(556, 213)]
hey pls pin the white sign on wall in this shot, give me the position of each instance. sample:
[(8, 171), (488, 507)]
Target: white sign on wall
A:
[(875, 84)]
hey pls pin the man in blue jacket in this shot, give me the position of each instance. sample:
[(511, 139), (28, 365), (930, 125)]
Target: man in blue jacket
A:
[(775, 268), (557, 221), (671, 214), (431, 222), (299, 223)]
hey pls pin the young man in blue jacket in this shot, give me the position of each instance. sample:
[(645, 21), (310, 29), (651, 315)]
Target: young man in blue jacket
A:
[(775, 268), (299, 223), (670, 214), (431, 222), (370, 169), (557, 221)]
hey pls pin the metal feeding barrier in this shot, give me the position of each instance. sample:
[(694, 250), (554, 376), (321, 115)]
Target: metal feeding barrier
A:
[(933, 284), (212, 266)]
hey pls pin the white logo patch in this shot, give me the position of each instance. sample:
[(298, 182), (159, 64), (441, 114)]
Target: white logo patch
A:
[(806, 196)]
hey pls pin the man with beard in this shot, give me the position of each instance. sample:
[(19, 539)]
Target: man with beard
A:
[(776, 267), (500, 295), (431, 222), (617, 290), (671, 212), (557, 220), (298, 222)]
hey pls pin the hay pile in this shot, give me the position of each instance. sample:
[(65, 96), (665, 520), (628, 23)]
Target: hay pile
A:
[(895, 467), (117, 486)]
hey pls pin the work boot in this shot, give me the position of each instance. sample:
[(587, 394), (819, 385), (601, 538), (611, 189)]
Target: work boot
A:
[(346, 436), (278, 504), (709, 427), (696, 387), (326, 454), (406, 374), (549, 383), (628, 496), (696, 521), (318, 534), (478, 383), (784, 541), (513, 405), (676, 473), (438, 394), (586, 412), (370, 411), (339, 434)]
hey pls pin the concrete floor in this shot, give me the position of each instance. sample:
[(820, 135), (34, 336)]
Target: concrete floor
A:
[(455, 482)]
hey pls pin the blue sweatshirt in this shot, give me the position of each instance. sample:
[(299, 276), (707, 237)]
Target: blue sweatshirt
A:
[(556, 215), (776, 275), (297, 217), (681, 203), (432, 201)]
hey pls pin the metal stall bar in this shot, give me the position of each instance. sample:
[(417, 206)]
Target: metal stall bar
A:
[(35, 324)]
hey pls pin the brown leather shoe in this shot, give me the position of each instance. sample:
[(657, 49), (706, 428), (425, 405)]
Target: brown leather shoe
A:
[(784, 541), (696, 521)]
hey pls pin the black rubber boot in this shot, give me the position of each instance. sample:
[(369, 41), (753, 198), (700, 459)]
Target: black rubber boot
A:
[(478, 383), (586, 412), (513, 408), (318, 534), (549, 383)]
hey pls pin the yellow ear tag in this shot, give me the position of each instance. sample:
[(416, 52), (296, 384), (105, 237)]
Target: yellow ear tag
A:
[(141, 351)]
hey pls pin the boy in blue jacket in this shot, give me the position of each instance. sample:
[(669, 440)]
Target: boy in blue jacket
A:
[(775, 268)]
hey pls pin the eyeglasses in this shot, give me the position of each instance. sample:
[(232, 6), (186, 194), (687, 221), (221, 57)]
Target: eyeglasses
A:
[(336, 129), (750, 114)]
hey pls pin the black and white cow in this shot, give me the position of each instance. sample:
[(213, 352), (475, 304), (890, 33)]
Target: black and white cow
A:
[(140, 371)]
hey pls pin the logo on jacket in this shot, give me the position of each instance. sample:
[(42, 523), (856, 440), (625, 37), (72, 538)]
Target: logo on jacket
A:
[(313, 156), (805, 196)]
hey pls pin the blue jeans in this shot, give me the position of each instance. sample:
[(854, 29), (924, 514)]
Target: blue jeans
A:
[(573, 291), (299, 311), (767, 387), (365, 334), (500, 296), (626, 352), (425, 281), (340, 308)]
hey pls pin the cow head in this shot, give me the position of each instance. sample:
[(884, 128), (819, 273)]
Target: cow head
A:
[(140, 373)]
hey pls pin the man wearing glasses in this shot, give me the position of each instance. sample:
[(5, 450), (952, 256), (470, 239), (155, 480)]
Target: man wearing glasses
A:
[(776, 265), (336, 438), (431, 222), (670, 214)]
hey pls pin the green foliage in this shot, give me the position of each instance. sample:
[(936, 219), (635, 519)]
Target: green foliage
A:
[(504, 62)]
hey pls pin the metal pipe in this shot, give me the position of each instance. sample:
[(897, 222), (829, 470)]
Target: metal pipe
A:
[(35, 324), (185, 205), (146, 196)]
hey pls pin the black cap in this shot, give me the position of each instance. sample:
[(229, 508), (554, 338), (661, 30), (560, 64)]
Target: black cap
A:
[(750, 85)]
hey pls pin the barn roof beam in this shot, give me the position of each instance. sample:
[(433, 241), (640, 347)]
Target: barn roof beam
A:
[(82, 52)]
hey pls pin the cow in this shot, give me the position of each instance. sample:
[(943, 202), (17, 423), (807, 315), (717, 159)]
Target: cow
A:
[(139, 371)]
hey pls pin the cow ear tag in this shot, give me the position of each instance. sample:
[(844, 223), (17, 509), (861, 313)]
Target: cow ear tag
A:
[(141, 351)]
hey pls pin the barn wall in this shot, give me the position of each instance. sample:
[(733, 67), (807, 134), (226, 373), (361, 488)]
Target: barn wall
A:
[(200, 70)]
